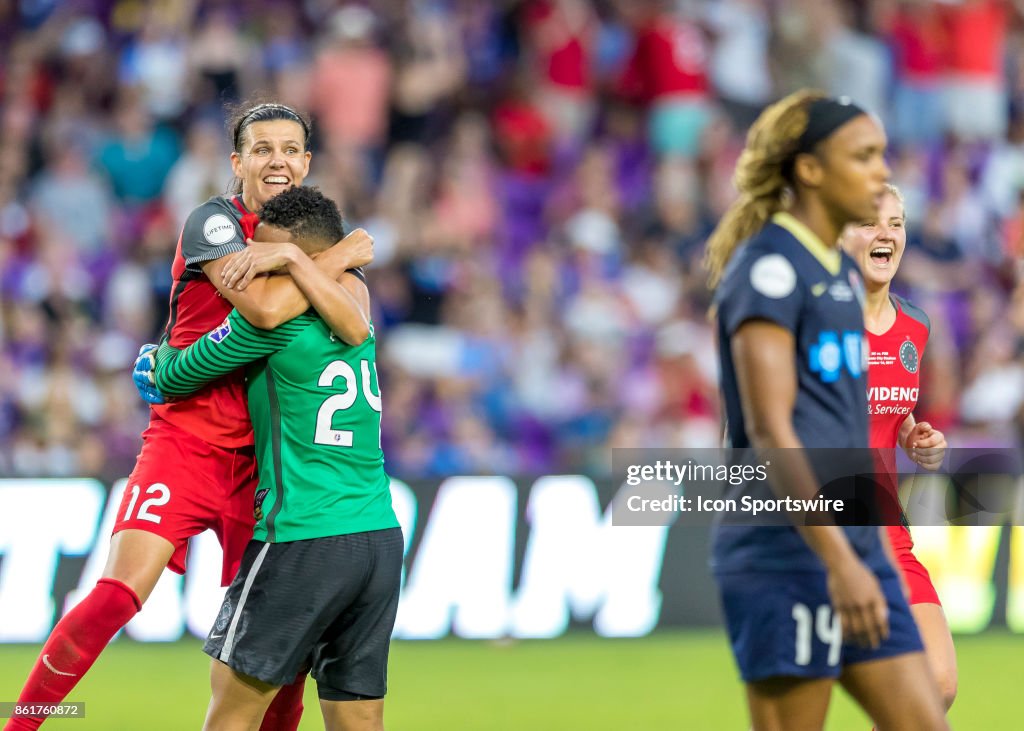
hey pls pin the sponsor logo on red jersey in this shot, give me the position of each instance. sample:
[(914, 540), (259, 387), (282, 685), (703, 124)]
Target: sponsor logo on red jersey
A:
[(893, 377)]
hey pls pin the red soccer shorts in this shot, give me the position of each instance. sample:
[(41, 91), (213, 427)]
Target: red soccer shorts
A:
[(919, 582), (181, 486)]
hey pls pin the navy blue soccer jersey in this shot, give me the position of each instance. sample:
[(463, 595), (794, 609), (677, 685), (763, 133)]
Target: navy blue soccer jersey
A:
[(786, 275)]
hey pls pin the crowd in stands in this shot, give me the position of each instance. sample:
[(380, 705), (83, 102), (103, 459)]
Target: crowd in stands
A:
[(539, 176)]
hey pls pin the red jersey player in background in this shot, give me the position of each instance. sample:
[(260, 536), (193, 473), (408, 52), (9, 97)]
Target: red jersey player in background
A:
[(197, 467), (897, 333)]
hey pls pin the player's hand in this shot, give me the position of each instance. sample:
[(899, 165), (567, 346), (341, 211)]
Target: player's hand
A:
[(142, 374), (926, 446), (258, 258), (858, 599), (359, 247)]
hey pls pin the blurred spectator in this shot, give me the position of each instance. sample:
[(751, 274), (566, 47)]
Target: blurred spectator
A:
[(218, 58), (69, 196), (138, 155), (797, 49), (667, 73), (1013, 233), (561, 35), (352, 77), (856, 62), (430, 70), (85, 62), (961, 214), (1003, 176), (994, 391), (71, 122), (739, 64), (156, 63), (200, 172), (522, 131), (285, 44), (917, 36), (466, 212), (975, 88)]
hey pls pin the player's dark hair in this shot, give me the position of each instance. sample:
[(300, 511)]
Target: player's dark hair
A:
[(763, 174), (825, 116), (312, 219), (242, 115)]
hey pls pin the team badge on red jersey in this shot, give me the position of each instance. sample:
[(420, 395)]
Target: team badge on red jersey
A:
[(908, 356), (893, 389)]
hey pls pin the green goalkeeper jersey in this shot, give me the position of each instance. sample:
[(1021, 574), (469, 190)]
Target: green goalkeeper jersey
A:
[(315, 408)]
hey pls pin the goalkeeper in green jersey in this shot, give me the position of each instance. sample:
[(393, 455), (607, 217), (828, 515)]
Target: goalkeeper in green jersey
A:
[(319, 582)]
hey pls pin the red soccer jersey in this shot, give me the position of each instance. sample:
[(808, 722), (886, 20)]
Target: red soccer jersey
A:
[(894, 362), (894, 373), (218, 414)]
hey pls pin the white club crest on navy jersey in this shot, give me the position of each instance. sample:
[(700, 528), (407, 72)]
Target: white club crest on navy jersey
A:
[(840, 291), (909, 357), (219, 229), (773, 276), (857, 284)]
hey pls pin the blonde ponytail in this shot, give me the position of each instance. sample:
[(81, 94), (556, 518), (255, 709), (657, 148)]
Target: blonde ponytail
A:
[(762, 176)]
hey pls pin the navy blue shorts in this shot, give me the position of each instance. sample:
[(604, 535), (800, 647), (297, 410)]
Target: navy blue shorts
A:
[(782, 624)]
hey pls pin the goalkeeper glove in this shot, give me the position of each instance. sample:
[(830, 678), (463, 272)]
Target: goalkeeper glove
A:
[(142, 374)]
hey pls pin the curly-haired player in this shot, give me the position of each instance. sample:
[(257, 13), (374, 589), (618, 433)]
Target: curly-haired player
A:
[(320, 579), (807, 604), (197, 467)]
